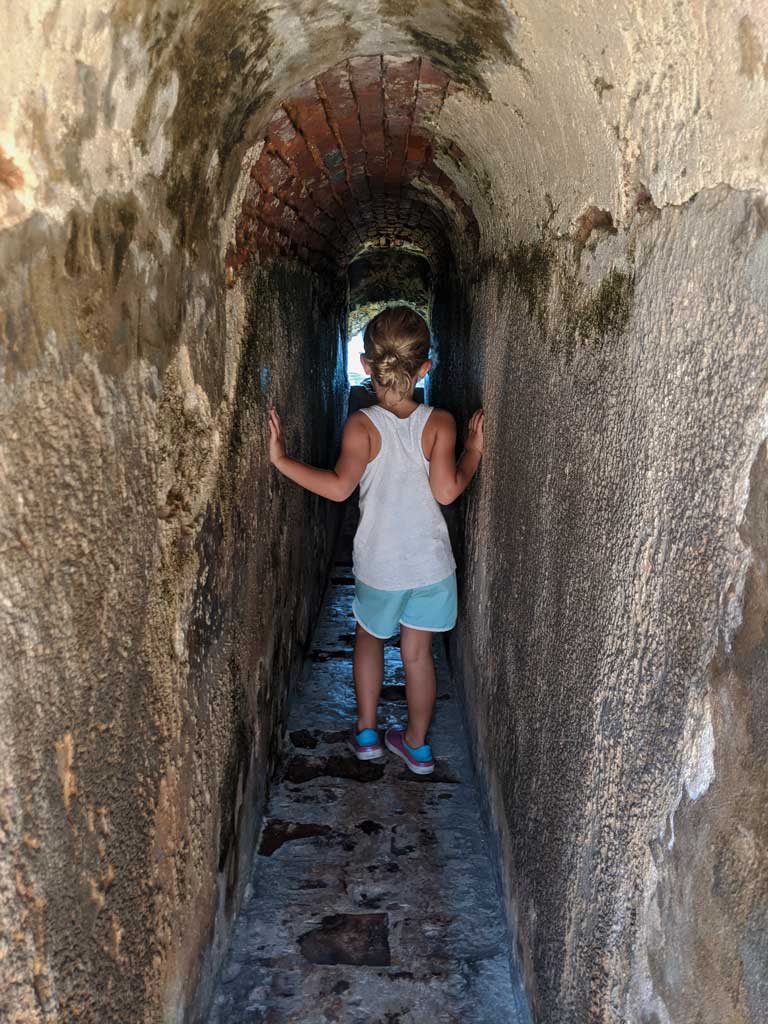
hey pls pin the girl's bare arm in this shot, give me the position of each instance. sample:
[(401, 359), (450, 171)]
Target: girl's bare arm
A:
[(337, 483), (447, 478)]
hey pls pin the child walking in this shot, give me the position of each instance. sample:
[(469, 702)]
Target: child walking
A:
[(403, 456)]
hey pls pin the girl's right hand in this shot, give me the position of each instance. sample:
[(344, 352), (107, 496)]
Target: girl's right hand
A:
[(276, 438), (475, 435)]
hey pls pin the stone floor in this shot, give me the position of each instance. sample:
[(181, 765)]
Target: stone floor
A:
[(372, 899)]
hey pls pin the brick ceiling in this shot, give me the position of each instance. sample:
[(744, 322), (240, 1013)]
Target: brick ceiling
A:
[(349, 163)]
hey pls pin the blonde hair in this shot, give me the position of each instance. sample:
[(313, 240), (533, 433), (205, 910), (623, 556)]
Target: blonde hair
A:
[(396, 344)]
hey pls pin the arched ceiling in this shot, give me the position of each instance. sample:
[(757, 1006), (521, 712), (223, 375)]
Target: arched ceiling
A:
[(349, 162)]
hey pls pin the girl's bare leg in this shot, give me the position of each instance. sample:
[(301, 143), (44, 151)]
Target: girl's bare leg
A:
[(368, 671), (421, 687)]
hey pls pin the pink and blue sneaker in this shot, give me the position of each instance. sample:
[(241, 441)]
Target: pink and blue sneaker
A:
[(418, 759), (365, 745)]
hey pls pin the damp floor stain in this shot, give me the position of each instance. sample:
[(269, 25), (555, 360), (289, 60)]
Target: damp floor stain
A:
[(372, 897)]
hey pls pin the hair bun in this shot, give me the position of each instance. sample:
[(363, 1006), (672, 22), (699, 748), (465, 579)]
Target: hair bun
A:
[(388, 360), (396, 344)]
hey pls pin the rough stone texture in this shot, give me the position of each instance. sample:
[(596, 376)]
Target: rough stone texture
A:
[(373, 899), (612, 317), (159, 586), (613, 610)]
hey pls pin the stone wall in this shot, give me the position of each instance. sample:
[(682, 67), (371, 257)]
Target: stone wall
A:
[(613, 628), (591, 192), (158, 590)]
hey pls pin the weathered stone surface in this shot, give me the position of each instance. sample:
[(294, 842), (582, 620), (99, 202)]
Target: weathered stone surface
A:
[(146, 556), (158, 584), (383, 905), (277, 833), (358, 939), (609, 640)]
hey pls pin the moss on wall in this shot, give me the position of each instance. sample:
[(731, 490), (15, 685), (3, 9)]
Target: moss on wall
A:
[(158, 582), (593, 318), (482, 35), (600, 564), (609, 309), (569, 312), (531, 265), (157, 603)]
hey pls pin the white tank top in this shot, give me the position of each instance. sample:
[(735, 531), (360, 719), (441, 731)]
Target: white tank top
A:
[(402, 539)]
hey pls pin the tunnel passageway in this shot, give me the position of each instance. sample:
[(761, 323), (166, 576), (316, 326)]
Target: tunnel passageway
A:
[(372, 898), (199, 201)]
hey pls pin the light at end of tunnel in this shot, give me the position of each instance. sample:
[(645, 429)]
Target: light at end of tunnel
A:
[(354, 367)]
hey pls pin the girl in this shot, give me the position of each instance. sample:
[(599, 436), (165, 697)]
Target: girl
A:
[(403, 456)]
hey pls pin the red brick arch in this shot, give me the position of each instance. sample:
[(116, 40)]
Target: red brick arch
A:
[(348, 163)]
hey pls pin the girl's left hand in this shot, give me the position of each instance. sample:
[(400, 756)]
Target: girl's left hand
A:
[(276, 438), (475, 438)]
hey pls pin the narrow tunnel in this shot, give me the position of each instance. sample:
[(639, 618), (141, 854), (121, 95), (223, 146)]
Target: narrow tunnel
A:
[(199, 204)]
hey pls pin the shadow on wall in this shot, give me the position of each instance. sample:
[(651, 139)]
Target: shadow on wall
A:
[(270, 582), (163, 167)]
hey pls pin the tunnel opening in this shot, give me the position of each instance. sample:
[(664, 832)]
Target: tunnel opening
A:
[(344, 192), (378, 278), (348, 180), (356, 374), (186, 195)]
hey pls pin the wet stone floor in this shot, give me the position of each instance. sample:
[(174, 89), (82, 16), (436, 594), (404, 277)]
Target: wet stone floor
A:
[(372, 898)]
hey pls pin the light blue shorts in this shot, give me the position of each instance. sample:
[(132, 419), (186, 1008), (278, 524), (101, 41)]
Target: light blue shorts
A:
[(432, 608)]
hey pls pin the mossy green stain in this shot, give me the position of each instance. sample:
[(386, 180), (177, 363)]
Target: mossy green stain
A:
[(531, 267), (224, 76), (399, 8), (484, 30), (584, 321), (258, 350), (71, 253), (606, 312), (248, 392)]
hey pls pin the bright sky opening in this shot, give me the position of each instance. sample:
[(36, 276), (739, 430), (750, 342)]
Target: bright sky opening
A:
[(355, 370)]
